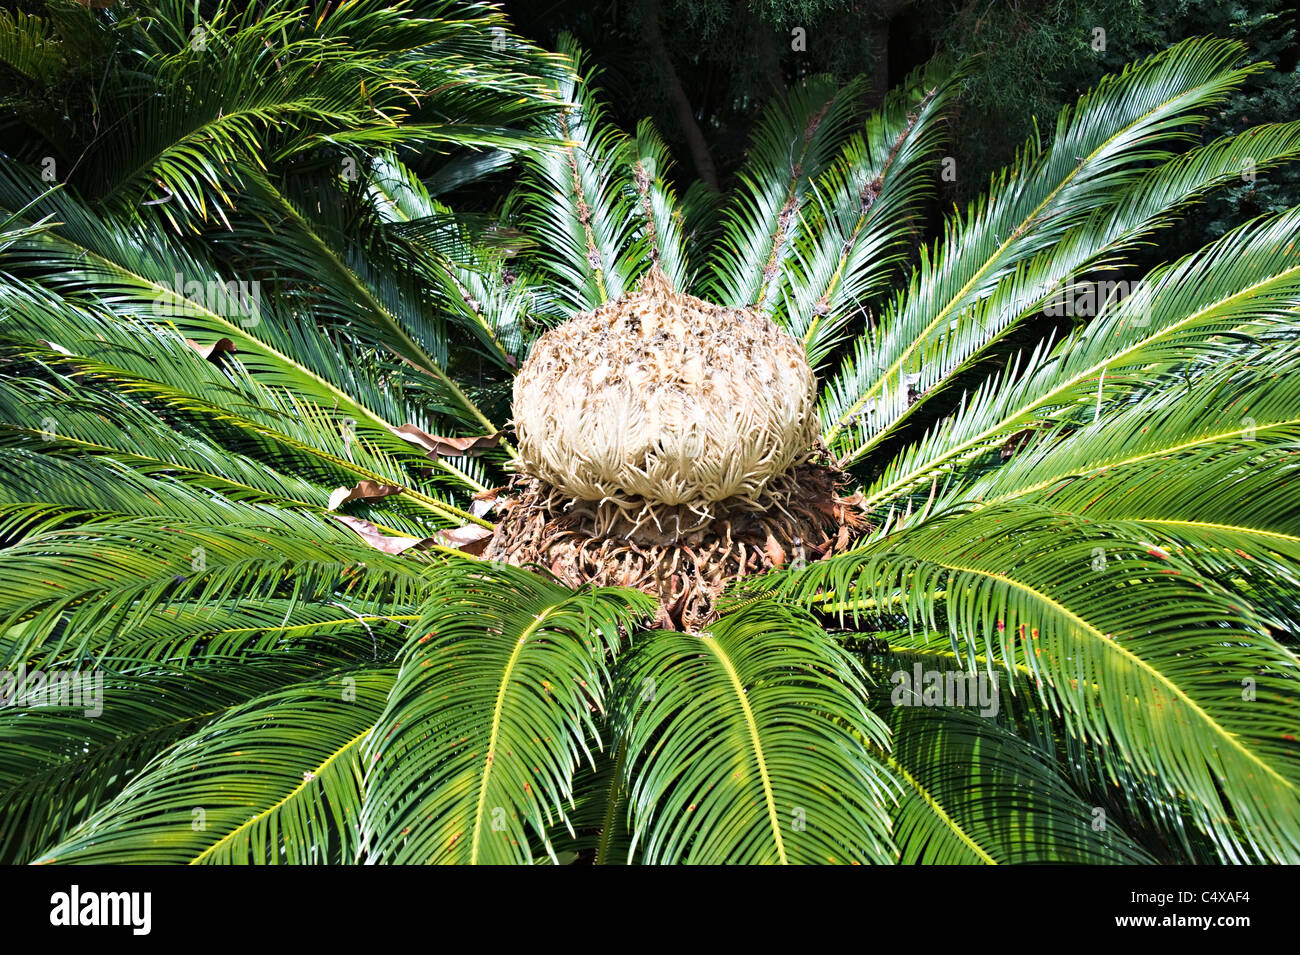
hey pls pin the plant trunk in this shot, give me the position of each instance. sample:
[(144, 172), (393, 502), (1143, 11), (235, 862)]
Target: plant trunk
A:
[(683, 112)]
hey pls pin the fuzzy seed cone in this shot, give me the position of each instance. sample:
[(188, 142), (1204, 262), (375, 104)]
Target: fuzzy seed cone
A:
[(662, 399)]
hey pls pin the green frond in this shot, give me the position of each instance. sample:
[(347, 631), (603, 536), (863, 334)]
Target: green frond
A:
[(300, 436), (92, 584), (652, 200), (198, 803), (87, 762), (145, 289), (748, 744), (475, 755), (865, 213), (477, 289), (202, 99), (94, 427), (1201, 471), (1128, 809), (1138, 650), (28, 45), (976, 793), (352, 286), (997, 262), (185, 633), (794, 143), (599, 816), (1199, 309), (575, 197)]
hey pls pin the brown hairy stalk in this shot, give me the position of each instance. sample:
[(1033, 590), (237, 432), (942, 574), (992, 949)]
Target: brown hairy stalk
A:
[(605, 544)]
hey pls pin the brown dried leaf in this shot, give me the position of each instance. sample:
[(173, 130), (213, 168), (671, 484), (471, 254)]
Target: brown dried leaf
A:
[(485, 502), (365, 490), (853, 500), (842, 539), (774, 551), (471, 538), (213, 352), (373, 536), (848, 510), (438, 446)]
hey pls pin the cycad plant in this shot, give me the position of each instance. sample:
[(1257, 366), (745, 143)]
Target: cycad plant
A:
[(1000, 588)]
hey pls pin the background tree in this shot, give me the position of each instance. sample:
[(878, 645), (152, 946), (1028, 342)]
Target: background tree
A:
[(1030, 58)]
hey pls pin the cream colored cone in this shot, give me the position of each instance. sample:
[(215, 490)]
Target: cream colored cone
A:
[(661, 398)]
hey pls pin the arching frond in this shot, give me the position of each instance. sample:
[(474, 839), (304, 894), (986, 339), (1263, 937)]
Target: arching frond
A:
[(990, 269), (575, 200), (976, 793), (474, 757), (87, 762), (199, 804), (194, 100), (652, 200), (1198, 309), (1138, 650), (747, 744), (94, 583), (865, 214)]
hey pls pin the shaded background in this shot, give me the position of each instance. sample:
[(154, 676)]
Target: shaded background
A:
[(702, 69)]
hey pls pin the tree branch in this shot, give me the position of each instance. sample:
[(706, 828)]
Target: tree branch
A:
[(683, 112)]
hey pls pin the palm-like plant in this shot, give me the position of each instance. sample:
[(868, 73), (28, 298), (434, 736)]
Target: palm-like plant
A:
[(251, 521)]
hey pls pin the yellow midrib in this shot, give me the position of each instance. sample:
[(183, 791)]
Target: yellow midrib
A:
[(755, 741), (1134, 459), (288, 796), (1239, 528), (1133, 658), (942, 813), (495, 731)]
